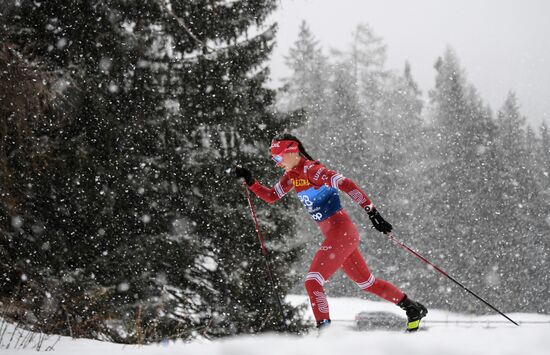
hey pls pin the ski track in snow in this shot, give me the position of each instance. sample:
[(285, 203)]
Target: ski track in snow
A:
[(487, 335)]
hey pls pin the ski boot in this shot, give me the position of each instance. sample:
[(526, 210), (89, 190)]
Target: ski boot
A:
[(415, 312), (323, 324)]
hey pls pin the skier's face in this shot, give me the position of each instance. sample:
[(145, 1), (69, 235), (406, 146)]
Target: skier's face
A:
[(290, 160), (285, 153)]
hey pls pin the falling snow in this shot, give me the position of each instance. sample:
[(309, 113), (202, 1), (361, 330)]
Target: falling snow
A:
[(122, 219)]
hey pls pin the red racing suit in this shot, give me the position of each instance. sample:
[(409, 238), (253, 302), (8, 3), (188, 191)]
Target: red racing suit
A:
[(317, 188)]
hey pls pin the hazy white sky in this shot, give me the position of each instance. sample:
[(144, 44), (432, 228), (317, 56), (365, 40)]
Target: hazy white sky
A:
[(503, 44)]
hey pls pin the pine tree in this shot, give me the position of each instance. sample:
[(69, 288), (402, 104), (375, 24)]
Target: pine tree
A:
[(459, 174), (136, 216), (306, 88), (368, 58), (358, 79), (400, 153), (372, 82), (544, 161), (516, 193), (102, 224), (399, 128), (25, 153), (543, 215), (345, 130)]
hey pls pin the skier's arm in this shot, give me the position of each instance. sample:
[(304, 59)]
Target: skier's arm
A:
[(271, 195), (319, 175)]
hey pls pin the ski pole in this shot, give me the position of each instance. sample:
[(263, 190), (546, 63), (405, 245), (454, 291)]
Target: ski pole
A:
[(401, 244), (264, 252)]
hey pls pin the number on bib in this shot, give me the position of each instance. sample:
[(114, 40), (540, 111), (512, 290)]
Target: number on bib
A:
[(317, 216), (305, 200)]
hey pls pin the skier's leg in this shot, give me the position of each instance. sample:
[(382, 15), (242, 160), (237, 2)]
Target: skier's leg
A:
[(341, 239), (356, 268)]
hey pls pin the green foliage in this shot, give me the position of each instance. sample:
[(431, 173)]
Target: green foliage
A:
[(135, 229), (465, 188)]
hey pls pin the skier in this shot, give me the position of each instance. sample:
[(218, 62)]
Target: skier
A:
[(316, 187)]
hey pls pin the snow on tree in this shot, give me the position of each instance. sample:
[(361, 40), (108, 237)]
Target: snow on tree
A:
[(466, 188), (135, 230)]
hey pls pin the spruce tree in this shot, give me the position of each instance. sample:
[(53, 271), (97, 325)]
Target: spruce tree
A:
[(368, 57), (306, 87), (399, 142), (458, 176), (516, 193), (543, 168), (25, 153), (140, 226), (544, 160)]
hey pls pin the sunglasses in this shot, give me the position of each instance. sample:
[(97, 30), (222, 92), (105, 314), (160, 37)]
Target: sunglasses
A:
[(277, 158)]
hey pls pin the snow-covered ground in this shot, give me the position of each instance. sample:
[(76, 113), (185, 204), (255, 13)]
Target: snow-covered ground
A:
[(445, 333)]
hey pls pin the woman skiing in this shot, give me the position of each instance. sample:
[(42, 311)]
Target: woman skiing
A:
[(317, 188)]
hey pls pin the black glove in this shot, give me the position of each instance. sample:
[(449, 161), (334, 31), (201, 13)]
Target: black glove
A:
[(378, 222), (244, 173)]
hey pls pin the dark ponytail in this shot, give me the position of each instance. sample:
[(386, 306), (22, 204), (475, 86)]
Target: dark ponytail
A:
[(290, 137)]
